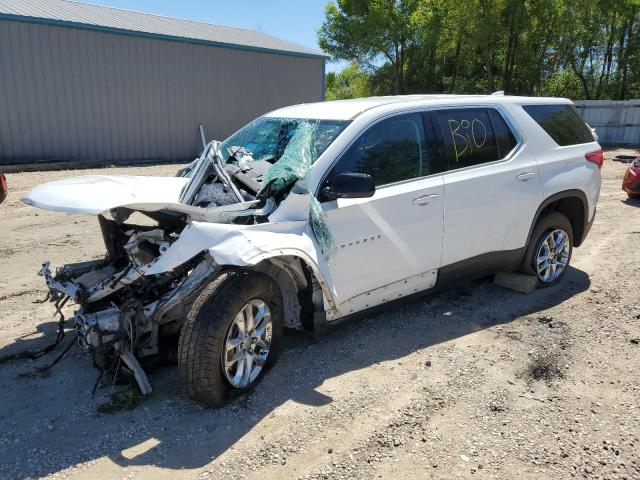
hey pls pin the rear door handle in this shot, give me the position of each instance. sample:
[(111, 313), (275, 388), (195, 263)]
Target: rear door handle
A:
[(424, 199), (523, 177)]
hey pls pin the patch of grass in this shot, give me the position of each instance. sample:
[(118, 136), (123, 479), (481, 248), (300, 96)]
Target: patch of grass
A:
[(124, 397), (544, 367)]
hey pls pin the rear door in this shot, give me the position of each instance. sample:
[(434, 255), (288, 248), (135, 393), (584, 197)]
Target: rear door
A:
[(492, 187), (390, 244)]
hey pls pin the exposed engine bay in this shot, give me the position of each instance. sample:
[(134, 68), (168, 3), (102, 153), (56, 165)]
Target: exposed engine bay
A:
[(123, 313), (214, 215)]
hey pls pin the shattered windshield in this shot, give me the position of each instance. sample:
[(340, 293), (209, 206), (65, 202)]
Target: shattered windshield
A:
[(264, 142), (267, 138), (263, 162)]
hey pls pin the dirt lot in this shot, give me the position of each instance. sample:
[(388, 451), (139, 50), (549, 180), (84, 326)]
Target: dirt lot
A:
[(480, 382)]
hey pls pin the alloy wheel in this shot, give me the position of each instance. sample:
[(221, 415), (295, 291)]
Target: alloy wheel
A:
[(553, 255), (247, 343)]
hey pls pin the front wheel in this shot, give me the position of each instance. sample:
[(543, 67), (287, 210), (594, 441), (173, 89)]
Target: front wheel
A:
[(231, 337), (549, 251)]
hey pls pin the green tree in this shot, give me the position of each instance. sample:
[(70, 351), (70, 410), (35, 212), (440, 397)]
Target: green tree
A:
[(367, 32), (349, 83), (571, 48)]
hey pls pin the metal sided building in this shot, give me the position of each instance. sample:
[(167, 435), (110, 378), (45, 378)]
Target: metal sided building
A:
[(86, 83)]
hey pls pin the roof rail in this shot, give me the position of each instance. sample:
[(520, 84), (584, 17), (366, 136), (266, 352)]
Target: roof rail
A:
[(499, 93)]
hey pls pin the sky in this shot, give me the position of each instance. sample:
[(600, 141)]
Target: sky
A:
[(294, 21)]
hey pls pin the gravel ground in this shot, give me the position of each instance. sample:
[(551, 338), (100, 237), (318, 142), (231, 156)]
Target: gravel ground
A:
[(476, 382)]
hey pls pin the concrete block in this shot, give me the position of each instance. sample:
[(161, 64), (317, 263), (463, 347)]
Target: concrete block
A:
[(516, 281)]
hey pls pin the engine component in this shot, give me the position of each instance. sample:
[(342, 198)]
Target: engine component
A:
[(95, 329), (140, 247), (217, 195), (133, 364)]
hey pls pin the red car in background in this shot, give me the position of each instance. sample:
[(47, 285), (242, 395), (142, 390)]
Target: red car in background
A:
[(3, 187), (631, 181)]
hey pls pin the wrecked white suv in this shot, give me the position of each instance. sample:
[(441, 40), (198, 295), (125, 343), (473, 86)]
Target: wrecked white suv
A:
[(316, 212)]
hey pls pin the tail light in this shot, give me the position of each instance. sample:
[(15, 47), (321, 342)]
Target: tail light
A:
[(3, 183), (596, 157)]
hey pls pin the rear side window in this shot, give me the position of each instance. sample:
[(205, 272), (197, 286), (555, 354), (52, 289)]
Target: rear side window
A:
[(561, 122), (503, 134), (473, 136), (390, 151)]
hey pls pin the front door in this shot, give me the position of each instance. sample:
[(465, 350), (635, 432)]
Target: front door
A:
[(389, 245)]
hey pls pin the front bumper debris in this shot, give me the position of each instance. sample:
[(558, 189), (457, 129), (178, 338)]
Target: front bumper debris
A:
[(113, 322), (57, 288)]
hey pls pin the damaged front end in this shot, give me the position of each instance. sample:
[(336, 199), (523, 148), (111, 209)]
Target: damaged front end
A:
[(239, 205), (123, 312)]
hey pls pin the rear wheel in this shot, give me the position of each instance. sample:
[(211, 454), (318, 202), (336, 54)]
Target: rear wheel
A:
[(549, 251), (231, 337)]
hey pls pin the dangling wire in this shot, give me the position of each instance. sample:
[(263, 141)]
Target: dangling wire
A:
[(115, 376)]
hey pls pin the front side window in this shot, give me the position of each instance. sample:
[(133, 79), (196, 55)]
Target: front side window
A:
[(390, 151), (473, 136), (561, 122)]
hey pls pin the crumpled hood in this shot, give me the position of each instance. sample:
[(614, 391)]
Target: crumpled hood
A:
[(95, 194)]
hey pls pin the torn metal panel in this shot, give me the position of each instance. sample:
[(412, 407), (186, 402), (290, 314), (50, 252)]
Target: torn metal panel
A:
[(248, 245), (219, 214)]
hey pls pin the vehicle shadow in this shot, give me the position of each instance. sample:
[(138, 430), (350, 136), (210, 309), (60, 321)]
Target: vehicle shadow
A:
[(52, 419), (634, 202)]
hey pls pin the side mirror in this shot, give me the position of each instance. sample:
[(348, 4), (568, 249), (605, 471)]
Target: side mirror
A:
[(350, 185)]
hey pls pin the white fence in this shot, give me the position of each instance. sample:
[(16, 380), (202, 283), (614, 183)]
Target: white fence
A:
[(616, 122)]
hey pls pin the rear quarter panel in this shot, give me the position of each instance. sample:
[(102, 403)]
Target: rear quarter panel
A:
[(561, 168)]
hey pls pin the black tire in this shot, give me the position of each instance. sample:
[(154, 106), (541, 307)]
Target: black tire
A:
[(544, 226), (204, 332), (633, 196)]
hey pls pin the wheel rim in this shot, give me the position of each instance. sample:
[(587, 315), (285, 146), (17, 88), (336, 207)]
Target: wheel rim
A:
[(553, 255), (247, 343)]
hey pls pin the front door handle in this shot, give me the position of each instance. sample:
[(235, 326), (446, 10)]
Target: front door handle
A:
[(424, 199), (523, 177)]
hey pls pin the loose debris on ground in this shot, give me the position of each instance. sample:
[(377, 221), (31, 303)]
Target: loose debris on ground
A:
[(124, 397)]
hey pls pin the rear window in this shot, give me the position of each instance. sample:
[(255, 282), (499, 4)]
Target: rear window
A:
[(473, 136), (561, 122), (504, 136)]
